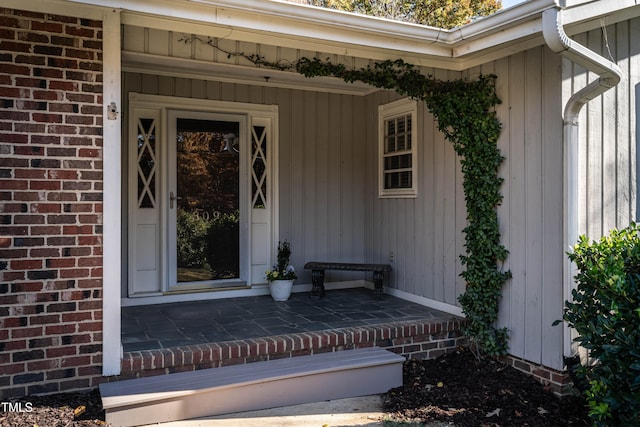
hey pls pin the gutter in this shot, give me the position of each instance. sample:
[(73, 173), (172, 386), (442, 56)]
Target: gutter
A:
[(609, 75)]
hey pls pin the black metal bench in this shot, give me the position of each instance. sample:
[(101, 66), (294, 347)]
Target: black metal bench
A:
[(318, 268)]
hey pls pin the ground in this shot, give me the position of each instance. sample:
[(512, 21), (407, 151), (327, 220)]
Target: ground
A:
[(460, 390), (57, 410), (454, 390)]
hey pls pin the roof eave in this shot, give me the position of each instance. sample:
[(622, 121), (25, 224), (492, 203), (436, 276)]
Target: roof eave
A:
[(313, 29)]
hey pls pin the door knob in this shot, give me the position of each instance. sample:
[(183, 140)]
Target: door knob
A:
[(172, 197)]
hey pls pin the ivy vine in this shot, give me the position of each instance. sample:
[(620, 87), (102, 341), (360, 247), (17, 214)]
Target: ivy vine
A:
[(466, 116), (465, 112)]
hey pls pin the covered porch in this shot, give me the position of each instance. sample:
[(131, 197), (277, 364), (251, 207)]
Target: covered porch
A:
[(166, 338)]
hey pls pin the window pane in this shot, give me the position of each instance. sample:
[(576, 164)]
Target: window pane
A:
[(391, 127), (401, 124), (208, 204), (390, 145), (146, 143), (405, 180)]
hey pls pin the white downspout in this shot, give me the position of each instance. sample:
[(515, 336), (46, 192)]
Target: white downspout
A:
[(609, 76)]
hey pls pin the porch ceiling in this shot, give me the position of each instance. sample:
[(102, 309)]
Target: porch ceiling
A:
[(168, 66)]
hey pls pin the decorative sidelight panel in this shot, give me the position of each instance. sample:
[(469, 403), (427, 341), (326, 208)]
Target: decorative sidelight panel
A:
[(258, 167), (147, 163)]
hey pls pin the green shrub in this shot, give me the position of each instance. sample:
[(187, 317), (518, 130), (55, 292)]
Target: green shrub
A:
[(192, 240), (605, 312)]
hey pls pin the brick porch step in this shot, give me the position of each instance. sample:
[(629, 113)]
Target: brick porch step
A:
[(259, 385)]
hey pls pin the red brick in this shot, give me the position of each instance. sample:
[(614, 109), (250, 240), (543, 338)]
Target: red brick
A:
[(79, 316), (26, 264), (16, 69), (45, 319), (15, 345), (45, 207), (69, 328), (48, 27), (14, 46), (89, 152), (30, 82), (63, 86), (63, 173), (41, 365), (80, 32), (30, 150), (14, 208), (10, 276), (14, 368), (46, 139), (29, 173), (44, 252), (62, 351), (13, 185)]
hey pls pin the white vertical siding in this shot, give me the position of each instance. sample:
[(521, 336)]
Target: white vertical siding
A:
[(608, 141), (425, 234), (322, 179), (531, 214)]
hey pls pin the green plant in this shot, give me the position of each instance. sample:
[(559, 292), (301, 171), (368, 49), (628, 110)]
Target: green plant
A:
[(282, 270), (465, 114), (192, 241), (605, 312)]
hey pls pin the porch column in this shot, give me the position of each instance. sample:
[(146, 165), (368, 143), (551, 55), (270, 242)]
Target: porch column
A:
[(112, 211)]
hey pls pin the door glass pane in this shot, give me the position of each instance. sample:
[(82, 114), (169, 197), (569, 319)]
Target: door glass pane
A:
[(258, 167), (146, 142), (207, 200)]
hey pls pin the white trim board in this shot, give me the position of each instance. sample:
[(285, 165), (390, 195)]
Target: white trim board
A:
[(112, 201)]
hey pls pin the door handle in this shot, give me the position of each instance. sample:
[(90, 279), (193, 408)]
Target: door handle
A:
[(172, 197)]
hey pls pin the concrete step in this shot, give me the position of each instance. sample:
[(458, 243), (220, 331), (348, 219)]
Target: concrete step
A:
[(259, 385)]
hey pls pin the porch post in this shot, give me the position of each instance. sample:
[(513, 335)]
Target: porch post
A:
[(111, 233)]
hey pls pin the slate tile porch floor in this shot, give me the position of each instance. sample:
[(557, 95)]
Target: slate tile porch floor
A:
[(198, 322)]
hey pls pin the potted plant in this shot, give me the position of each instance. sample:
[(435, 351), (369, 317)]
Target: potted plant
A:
[(282, 275)]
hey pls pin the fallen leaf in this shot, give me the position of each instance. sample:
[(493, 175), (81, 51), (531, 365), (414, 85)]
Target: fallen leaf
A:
[(79, 411), (495, 413)]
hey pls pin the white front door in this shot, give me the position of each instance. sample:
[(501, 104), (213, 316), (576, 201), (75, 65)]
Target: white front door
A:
[(207, 209), (201, 195)]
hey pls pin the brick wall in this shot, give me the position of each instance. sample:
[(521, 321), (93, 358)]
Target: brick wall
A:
[(417, 339), (50, 203), (553, 380)]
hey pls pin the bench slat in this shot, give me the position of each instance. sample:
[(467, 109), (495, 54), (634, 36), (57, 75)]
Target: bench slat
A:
[(314, 265)]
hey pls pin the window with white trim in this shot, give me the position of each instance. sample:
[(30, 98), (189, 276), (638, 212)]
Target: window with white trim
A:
[(397, 135)]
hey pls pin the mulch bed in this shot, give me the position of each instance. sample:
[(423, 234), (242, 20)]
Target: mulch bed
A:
[(455, 389), (461, 390), (57, 410)]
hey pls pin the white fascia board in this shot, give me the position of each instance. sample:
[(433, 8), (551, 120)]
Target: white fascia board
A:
[(317, 29), (594, 14), (290, 22), (292, 25)]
